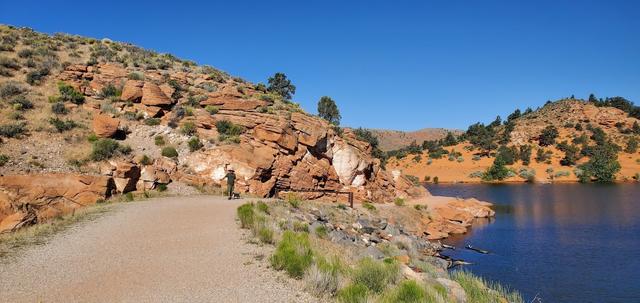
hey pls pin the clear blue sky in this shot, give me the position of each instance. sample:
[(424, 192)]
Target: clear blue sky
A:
[(388, 64)]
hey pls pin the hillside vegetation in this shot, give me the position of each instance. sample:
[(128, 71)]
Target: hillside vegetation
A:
[(593, 140), (89, 118)]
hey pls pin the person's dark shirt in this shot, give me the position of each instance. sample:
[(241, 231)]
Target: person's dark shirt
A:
[(231, 177)]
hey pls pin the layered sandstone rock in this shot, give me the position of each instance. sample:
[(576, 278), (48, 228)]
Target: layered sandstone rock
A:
[(41, 197), (152, 95), (105, 126)]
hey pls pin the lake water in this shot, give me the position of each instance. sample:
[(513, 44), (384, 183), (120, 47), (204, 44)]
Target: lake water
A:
[(563, 242)]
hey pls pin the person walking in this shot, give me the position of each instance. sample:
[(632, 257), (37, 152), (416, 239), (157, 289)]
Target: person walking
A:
[(231, 179)]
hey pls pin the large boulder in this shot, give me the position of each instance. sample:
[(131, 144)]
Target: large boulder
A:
[(152, 95), (132, 91), (48, 195), (105, 126)]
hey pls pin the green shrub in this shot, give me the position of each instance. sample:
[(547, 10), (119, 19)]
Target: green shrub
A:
[(59, 108), (263, 207), (246, 215), (369, 206), (92, 138), (35, 77), (300, 226), (170, 152), (21, 103), (228, 131), (476, 174), (497, 171), (104, 149), (159, 140), (3, 159), (188, 128), (12, 130), (70, 94), (413, 179), (136, 76), (293, 254), (10, 89), (109, 91), (478, 290), (321, 232), (194, 144), (353, 293), (436, 180), (398, 202), (161, 187), (152, 121), (129, 196), (293, 200), (211, 109), (375, 275), (418, 207), (145, 160), (62, 126), (407, 292), (323, 278), (265, 235), (548, 136)]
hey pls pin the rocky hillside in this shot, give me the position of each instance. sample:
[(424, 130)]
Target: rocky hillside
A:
[(88, 118), (558, 142), (394, 139)]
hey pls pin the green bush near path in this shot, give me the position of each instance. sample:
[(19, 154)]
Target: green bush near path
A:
[(245, 214), (376, 275), (480, 291), (293, 254), (353, 293)]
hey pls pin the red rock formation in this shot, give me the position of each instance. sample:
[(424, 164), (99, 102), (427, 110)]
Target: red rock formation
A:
[(48, 195), (104, 126)]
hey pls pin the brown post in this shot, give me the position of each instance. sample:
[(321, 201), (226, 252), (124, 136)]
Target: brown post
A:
[(351, 199)]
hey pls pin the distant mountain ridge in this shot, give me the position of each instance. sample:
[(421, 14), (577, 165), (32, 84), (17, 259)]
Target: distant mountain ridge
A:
[(394, 139)]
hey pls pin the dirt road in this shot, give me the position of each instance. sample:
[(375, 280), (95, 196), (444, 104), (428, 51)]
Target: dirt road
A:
[(179, 249)]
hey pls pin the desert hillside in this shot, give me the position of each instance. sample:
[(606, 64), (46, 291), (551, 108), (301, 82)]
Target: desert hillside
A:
[(395, 139), (567, 140), (83, 118)]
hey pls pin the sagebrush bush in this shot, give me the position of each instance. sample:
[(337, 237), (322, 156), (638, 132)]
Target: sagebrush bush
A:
[(228, 130), (369, 206), (194, 144), (59, 108), (62, 125), (323, 278), (104, 149), (10, 89), (211, 109), (3, 159), (246, 215), (35, 76), (398, 202), (152, 121), (70, 94), (188, 128), (12, 130), (353, 293), (159, 140), (293, 254), (408, 291), (170, 152), (375, 275)]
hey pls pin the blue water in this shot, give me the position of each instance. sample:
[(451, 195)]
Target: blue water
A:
[(561, 242)]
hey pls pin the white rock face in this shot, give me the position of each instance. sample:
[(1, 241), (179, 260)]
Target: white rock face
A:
[(348, 164), (396, 174)]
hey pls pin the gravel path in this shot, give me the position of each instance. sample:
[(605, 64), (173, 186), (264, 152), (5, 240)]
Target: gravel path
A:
[(179, 249)]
